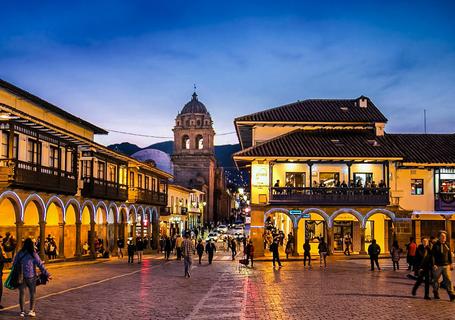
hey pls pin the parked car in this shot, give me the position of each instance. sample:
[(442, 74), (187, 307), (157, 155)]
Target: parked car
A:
[(214, 236), (222, 228)]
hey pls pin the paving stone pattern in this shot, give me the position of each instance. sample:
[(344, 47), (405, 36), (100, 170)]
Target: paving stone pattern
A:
[(158, 290)]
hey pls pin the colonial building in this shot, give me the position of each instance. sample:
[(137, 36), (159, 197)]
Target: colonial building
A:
[(185, 210), (326, 168), (194, 155), (56, 180)]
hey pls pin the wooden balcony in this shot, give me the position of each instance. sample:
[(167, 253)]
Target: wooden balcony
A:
[(445, 201), (149, 197), (20, 174), (330, 196), (103, 189)]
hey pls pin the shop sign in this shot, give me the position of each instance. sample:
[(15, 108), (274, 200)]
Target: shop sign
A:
[(295, 211), (306, 216), (260, 175)]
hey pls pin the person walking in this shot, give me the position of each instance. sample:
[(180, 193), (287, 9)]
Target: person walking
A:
[(3, 259), (249, 252), (233, 248), (178, 246), (200, 249), (187, 252), (424, 269), (210, 249), (411, 248), (306, 253), (120, 247), (373, 251), (139, 249), (167, 248), (395, 255), (322, 248), (347, 244), (275, 253), (442, 266), (131, 249), (28, 259)]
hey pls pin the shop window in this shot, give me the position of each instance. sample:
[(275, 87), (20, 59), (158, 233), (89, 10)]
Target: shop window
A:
[(295, 179), (328, 179), (416, 187), (314, 230)]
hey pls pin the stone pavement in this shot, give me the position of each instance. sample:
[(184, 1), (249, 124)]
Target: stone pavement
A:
[(157, 290)]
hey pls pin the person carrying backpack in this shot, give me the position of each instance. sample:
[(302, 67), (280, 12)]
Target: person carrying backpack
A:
[(28, 260)]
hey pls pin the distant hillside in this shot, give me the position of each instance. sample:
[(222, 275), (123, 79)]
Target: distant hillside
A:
[(223, 153)]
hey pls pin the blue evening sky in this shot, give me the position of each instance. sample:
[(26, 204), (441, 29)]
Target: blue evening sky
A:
[(131, 65)]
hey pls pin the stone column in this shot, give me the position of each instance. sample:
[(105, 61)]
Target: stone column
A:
[(296, 243), (42, 235), (19, 231), (61, 242), (417, 229), (78, 252), (330, 240), (114, 247), (92, 239), (362, 241)]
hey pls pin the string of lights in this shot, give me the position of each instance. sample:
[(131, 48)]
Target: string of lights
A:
[(158, 137)]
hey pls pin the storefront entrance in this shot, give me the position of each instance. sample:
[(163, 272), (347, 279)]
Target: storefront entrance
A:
[(340, 230)]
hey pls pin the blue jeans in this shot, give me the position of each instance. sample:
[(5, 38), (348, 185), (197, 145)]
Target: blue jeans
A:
[(29, 283)]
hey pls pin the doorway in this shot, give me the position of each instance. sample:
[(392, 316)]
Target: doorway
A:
[(340, 230)]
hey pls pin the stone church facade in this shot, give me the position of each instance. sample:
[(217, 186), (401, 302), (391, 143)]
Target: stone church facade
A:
[(194, 154)]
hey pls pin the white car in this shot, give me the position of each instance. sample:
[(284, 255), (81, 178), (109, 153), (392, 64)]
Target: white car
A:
[(222, 228), (212, 236)]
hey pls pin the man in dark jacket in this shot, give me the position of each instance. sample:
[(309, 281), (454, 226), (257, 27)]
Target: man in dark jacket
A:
[(210, 248), (442, 265), (120, 247), (275, 253), (233, 248), (3, 260), (373, 251), (131, 249), (424, 268)]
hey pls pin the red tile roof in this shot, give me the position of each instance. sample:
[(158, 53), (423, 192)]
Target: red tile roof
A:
[(319, 110), (426, 148), (326, 144)]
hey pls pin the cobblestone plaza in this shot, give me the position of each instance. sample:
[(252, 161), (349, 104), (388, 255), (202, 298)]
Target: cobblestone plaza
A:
[(347, 289)]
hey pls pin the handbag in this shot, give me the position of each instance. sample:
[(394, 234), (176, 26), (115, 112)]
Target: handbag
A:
[(16, 276), (42, 279)]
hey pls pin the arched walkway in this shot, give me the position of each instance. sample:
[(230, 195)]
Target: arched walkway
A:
[(54, 245), (312, 225), (11, 212), (111, 225), (87, 216), (377, 224), (72, 218), (101, 215), (345, 222), (33, 219), (278, 221)]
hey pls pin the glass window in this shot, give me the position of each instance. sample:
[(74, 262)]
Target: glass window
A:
[(86, 168), (314, 229), (417, 187), (295, 179), (5, 139), (33, 151), (139, 180), (54, 156), (363, 180), (101, 170), (147, 183), (131, 179), (154, 184), (430, 228)]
